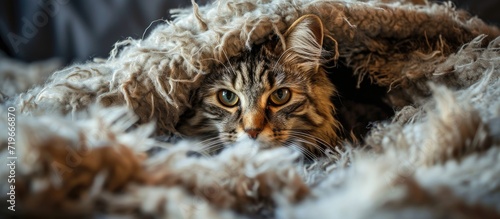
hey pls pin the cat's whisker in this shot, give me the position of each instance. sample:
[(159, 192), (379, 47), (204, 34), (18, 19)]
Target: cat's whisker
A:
[(301, 150), (299, 135), (311, 145), (319, 140), (227, 58), (296, 142), (232, 68), (208, 140), (214, 149), (213, 146), (306, 151)]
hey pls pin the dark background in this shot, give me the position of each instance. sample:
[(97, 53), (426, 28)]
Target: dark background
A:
[(76, 31)]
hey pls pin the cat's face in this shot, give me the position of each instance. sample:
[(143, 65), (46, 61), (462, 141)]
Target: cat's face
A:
[(272, 97)]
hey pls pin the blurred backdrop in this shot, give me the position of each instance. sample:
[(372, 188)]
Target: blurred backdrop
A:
[(78, 30)]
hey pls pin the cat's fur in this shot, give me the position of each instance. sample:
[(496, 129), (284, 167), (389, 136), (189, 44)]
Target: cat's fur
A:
[(294, 62)]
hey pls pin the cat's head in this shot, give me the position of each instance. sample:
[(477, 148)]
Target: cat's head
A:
[(277, 94)]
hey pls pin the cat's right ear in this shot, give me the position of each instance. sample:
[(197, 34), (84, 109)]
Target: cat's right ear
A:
[(303, 43)]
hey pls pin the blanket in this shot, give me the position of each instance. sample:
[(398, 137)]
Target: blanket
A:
[(83, 143)]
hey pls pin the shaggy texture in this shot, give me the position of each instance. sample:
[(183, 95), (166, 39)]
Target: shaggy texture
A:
[(82, 137), (17, 77)]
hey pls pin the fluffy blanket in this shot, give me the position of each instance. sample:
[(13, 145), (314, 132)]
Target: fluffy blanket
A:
[(80, 145)]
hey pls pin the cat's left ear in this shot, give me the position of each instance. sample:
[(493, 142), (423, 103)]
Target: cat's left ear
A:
[(304, 42)]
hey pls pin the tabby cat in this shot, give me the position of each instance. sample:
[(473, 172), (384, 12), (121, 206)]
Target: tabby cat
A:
[(276, 94)]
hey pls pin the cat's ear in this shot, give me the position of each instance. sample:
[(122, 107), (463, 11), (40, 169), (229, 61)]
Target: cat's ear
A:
[(304, 42)]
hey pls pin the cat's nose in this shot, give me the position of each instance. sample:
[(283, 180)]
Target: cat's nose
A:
[(253, 133)]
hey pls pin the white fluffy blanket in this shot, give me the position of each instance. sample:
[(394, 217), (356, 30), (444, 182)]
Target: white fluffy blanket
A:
[(81, 138)]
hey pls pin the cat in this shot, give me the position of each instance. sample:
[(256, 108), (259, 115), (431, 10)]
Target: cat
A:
[(276, 94)]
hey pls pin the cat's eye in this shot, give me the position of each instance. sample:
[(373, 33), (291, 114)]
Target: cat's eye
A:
[(280, 96), (227, 98)]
